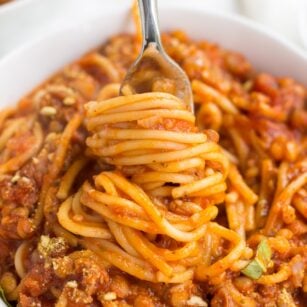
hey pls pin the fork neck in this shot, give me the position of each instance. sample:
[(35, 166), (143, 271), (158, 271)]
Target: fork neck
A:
[(150, 23)]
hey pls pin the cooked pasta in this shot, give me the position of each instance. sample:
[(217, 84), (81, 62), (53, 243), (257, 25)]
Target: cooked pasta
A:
[(132, 200), (144, 136)]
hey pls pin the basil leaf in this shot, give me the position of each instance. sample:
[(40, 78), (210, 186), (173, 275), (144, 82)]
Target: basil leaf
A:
[(2, 296)]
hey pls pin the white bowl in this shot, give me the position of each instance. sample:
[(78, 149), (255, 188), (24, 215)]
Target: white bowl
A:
[(37, 17), (30, 65)]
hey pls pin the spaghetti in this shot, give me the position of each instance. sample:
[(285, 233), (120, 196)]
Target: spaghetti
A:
[(145, 136), (133, 200)]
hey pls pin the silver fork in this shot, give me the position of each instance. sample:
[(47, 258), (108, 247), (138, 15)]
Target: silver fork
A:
[(153, 56)]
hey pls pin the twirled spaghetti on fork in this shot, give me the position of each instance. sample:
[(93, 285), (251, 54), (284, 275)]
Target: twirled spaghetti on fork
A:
[(156, 206)]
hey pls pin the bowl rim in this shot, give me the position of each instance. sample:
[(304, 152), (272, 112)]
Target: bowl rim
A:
[(166, 4)]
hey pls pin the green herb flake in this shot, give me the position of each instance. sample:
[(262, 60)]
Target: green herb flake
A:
[(264, 253), (3, 298), (262, 260), (253, 270)]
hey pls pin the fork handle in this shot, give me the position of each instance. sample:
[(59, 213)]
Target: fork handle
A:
[(150, 24)]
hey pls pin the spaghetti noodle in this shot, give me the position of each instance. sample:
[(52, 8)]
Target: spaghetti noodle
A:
[(145, 136), (133, 200)]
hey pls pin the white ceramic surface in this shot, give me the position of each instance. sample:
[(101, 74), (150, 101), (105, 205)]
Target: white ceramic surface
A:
[(35, 61), (302, 22), (281, 16), (29, 65), (25, 20)]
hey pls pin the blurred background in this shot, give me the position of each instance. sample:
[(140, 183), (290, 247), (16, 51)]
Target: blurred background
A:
[(24, 20)]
